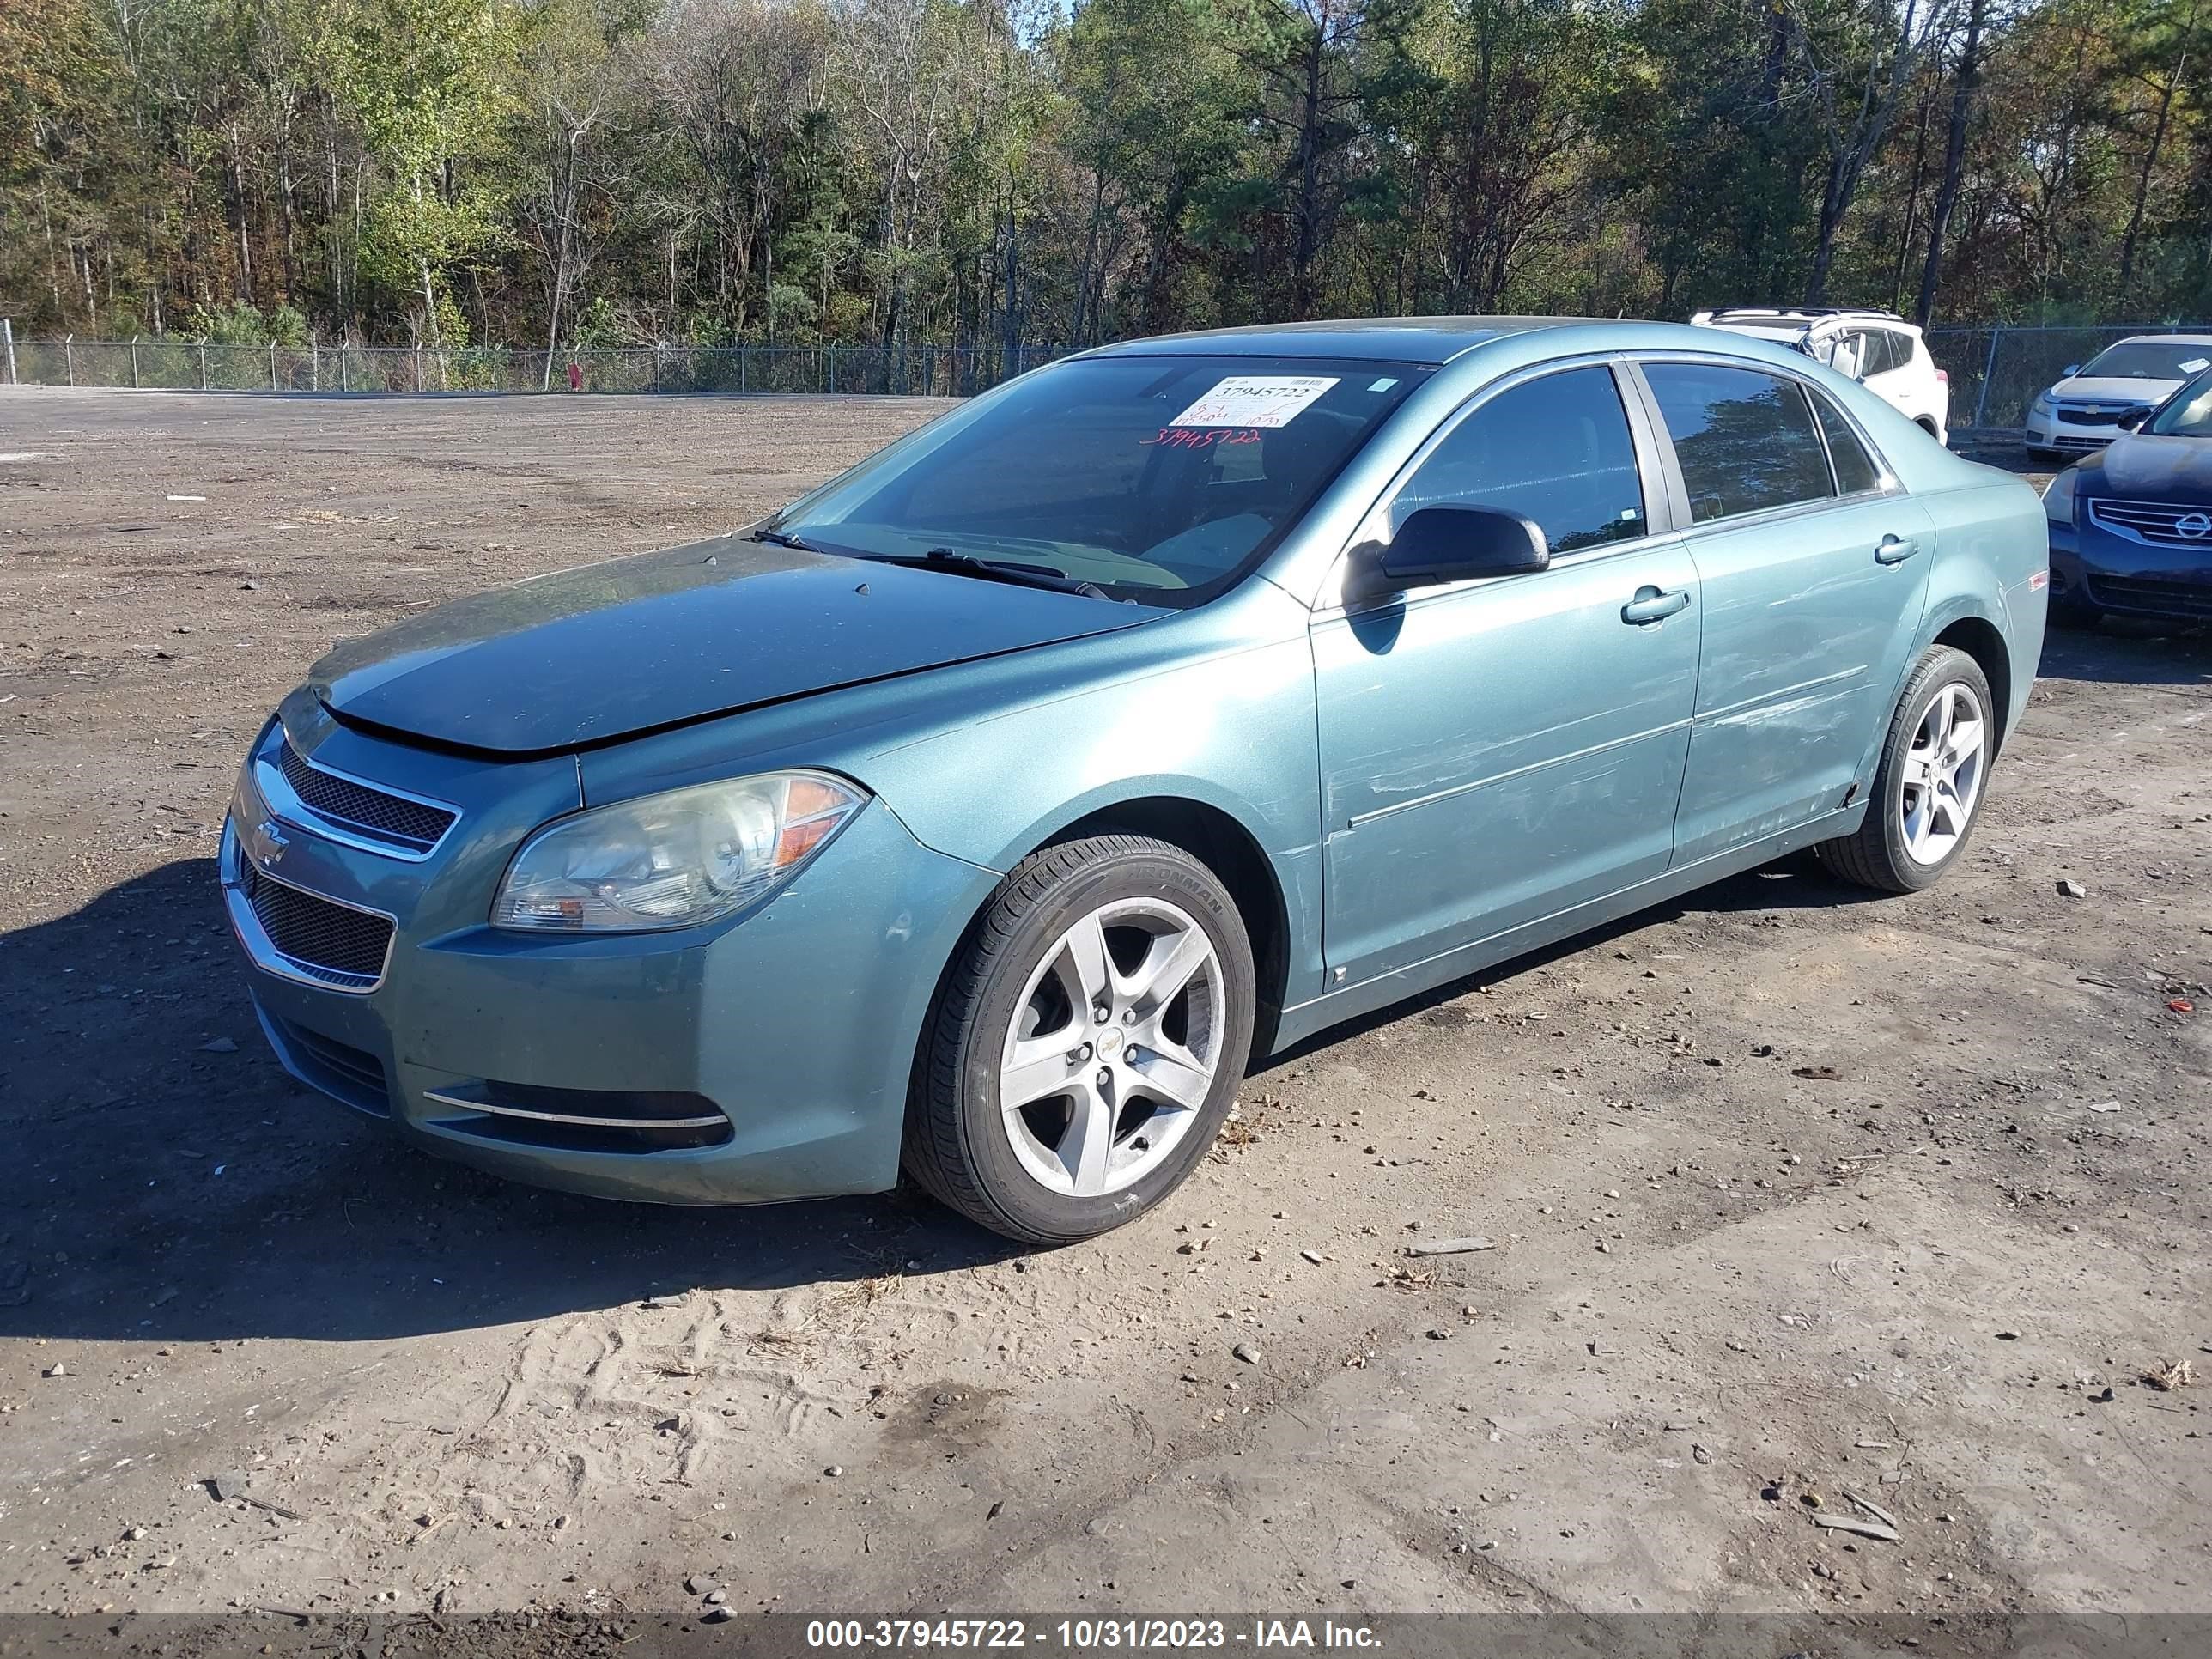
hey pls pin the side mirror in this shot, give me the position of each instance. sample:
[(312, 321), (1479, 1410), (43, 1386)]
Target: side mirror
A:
[(1449, 543), (2070, 371), (2131, 420)]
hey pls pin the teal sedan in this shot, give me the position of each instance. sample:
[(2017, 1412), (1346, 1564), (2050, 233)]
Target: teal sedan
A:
[(988, 812)]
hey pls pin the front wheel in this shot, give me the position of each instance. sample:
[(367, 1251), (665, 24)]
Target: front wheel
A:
[(1087, 1043), (1928, 787)]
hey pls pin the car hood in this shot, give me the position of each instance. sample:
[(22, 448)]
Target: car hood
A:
[(2114, 389), (2135, 467), (586, 656)]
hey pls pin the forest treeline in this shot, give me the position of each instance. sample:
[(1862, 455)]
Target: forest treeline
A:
[(594, 172)]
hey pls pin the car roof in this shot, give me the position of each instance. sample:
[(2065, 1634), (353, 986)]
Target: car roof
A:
[(2161, 339), (1378, 339), (1765, 328), (1795, 319)]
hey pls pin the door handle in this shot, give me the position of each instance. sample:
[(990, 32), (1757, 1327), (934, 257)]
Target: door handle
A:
[(1653, 604), (1895, 550)]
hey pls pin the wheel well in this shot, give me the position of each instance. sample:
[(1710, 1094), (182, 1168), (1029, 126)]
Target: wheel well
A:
[(1926, 425), (1980, 640), (1226, 847)]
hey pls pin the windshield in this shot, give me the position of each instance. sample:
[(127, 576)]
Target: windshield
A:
[(2188, 413), (2149, 360), (1158, 478)]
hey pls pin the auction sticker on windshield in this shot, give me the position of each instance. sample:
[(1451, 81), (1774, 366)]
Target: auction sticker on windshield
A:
[(1255, 400)]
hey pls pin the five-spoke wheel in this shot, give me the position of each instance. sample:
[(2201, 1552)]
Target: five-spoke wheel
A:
[(1927, 784), (1943, 774), (1113, 1047), (1087, 1044)]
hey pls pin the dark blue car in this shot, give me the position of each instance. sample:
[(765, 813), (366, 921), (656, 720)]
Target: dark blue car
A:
[(2131, 525)]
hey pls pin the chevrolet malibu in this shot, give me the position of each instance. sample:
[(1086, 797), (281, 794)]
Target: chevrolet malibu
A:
[(985, 812)]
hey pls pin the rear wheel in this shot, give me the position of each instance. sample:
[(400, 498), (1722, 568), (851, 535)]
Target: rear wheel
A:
[(1088, 1042), (1928, 787)]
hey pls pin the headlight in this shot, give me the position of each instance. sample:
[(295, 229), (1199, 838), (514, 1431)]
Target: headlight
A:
[(2058, 497), (672, 860), (2040, 405)]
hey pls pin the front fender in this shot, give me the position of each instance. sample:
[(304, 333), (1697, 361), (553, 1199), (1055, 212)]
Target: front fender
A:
[(1234, 732)]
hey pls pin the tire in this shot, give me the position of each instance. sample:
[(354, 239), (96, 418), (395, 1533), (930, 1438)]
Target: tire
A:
[(1881, 853), (1030, 1172)]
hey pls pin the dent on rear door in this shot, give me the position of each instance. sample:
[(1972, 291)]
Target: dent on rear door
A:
[(1806, 634)]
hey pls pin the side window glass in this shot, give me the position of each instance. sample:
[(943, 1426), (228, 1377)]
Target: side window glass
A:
[(1855, 468), (1556, 450), (1745, 439), (1889, 350)]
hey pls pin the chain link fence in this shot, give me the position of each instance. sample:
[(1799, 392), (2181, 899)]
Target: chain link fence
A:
[(920, 370), (1994, 371), (1997, 372)]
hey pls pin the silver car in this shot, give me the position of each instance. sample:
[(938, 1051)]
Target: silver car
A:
[(2082, 413)]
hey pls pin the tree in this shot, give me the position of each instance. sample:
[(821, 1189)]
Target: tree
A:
[(1891, 37), (567, 88), (1304, 54), (2161, 64), (1967, 81), (1006, 173), (1494, 101), (427, 77)]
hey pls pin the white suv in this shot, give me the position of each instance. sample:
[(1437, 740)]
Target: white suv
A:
[(1878, 348)]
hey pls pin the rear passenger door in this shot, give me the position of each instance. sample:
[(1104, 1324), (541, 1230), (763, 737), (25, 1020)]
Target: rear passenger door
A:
[(1812, 565), (1500, 749)]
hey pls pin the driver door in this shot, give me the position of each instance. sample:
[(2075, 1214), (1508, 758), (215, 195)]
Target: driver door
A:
[(1497, 750)]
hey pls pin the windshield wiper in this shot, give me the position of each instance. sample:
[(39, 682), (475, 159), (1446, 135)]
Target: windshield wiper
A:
[(783, 539), (1002, 570), (945, 558)]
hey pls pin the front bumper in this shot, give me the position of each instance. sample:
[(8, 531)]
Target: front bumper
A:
[(783, 1038), (2092, 567), (2053, 432)]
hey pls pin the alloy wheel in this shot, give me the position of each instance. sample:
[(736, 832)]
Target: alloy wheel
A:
[(1113, 1047), (1943, 774)]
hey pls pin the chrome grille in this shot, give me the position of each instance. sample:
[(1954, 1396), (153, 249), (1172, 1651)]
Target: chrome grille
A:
[(410, 825), (331, 942), (2162, 524)]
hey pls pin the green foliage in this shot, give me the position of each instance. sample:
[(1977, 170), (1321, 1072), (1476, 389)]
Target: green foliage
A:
[(239, 324), (606, 323), (618, 172)]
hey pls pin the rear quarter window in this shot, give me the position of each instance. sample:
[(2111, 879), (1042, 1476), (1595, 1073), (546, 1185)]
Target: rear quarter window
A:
[(1855, 472)]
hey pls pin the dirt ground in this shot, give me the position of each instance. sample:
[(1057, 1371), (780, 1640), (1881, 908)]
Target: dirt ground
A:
[(1792, 1192)]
